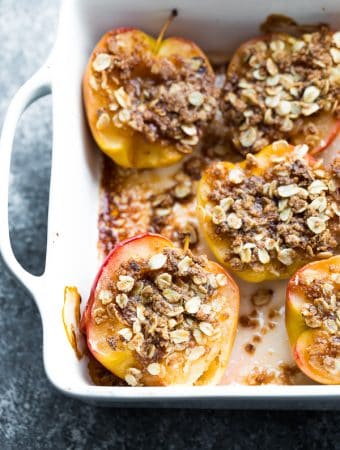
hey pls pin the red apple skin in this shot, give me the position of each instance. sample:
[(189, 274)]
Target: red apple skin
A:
[(85, 316), (300, 335)]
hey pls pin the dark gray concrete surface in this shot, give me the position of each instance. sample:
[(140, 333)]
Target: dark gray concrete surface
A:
[(32, 414)]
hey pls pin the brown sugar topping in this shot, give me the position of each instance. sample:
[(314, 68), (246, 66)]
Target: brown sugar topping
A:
[(273, 219), (167, 99), (163, 304), (279, 83)]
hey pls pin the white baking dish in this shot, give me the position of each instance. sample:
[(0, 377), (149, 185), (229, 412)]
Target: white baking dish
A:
[(72, 232)]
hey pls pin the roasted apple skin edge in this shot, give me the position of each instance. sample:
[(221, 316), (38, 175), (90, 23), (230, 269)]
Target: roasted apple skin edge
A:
[(142, 245), (120, 145), (300, 335)]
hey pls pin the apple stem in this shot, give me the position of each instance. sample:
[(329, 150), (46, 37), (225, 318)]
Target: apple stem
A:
[(166, 25), (186, 243)]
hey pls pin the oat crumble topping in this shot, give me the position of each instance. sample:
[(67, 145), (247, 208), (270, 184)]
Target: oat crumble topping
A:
[(169, 308), (322, 312), (167, 99), (272, 220), (280, 83)]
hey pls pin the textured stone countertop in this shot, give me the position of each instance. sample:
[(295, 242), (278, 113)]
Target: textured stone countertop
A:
[(32, 414)]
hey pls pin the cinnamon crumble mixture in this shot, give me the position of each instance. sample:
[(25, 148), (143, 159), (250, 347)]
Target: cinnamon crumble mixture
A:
[(167, 99), (277, 85), (268, 222), (322, 312), (169, 307)]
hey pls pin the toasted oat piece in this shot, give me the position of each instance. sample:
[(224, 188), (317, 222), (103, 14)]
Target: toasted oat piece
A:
[(158, 315), (282, 87), (313, 319), (147, 102), (269, 215)]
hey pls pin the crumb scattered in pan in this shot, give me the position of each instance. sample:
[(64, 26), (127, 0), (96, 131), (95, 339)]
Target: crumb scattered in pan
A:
[(169, 100), (250, 348), (249, 320), (284, 374)]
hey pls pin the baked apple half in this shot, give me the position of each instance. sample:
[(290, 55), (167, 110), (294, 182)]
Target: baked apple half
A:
[(282, 87), (157, 315), (267, 216), (313, 319), (147, 101)]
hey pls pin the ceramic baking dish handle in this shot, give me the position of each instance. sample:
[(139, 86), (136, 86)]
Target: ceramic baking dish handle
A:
[(37, 86)]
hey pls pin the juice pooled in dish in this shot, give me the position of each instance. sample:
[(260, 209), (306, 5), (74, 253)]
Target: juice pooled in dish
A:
[(267, 216), (313, 319), (158, 315), (147, 102), (282, 87)]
